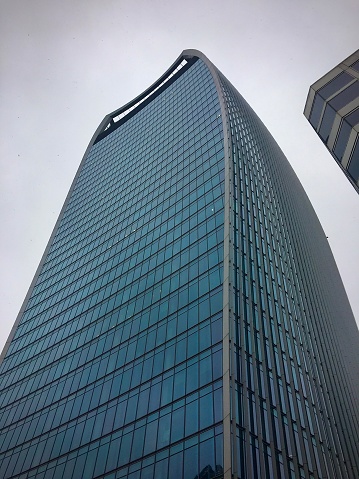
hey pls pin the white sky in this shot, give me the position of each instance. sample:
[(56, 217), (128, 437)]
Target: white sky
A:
[(65, 64)]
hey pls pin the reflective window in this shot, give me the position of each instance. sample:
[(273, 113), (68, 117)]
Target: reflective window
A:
[(355, 65), (345, 97), (317, 109), (342, 140), (327, 123), (345, 129), (118, 352), (353, 168), (353, 117), (335, 85)]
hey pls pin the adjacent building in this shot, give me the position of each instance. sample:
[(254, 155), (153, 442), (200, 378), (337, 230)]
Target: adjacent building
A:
[(332, 109), (187, 319)]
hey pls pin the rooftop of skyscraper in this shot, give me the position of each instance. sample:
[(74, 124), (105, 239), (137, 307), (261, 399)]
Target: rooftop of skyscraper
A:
[(65, 66)]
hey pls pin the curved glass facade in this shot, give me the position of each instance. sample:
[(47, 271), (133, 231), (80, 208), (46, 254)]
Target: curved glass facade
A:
[(187, 319), (292, 324)]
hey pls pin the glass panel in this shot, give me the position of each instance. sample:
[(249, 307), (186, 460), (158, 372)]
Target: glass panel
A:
[(342, 141), (177, 428), (327, 123), (191, 462), (345, 97), (316, 112), (207, 465), (335, 85), (353, 117), (176, 466), (355, 66), (353, 168)]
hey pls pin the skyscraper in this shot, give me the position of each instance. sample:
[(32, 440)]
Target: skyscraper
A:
[(187, 319), (332, 109)]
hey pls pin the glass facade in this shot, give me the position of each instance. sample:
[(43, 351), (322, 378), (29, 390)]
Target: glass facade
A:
[(280, 423), (174, 328)]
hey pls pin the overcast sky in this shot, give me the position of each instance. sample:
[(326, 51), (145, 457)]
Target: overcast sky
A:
[(65, 64)]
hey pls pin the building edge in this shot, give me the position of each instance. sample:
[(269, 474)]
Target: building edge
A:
[(230, 462)]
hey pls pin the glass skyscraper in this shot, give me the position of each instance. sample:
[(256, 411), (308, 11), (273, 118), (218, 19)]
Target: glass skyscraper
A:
[(187, 319)]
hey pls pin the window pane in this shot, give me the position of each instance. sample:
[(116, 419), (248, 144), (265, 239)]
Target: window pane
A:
[(316, 112), (191, 462), (355, 66), (353, 117), (345, 97), (342, 140), (339, 82), (151, 435), (176, 466), (177, 428), (191, 418), (207, 458), (206, 411), (164, 427), (137, 445), (327, 123), (354, 163)]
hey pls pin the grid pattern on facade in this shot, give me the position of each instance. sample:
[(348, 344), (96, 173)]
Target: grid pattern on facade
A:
[(287, 423), (118, 352), (187, 320)]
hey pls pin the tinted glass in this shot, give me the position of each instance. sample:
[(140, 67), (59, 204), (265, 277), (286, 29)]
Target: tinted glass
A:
[(335, 85), (316, 112), (353, 117), (354, 163), (327, 123), (117, 350), (342, 140), (355, 66), (346, 96)]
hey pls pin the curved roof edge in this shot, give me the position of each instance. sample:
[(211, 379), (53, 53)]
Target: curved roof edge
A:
[(187, 55), (185, 59)]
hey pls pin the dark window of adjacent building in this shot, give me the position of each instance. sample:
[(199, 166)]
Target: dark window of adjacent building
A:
[(345, 97), (316, 112), (335, 85), (353, 117), (353, 168), (346, 127), (355, 66), (342, 140), (327, 123)]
